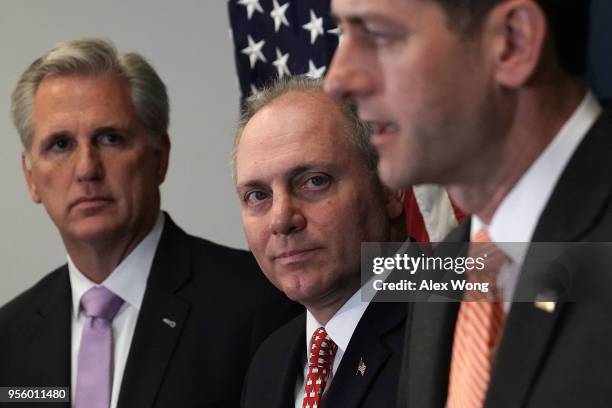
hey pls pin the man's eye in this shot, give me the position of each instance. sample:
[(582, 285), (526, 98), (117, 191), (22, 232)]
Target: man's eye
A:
[(375, 36), (255, 197), (316, 182), (59, 145), (110, 139)]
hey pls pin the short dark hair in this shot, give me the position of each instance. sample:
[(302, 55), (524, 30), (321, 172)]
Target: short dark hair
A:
[(568, 25)]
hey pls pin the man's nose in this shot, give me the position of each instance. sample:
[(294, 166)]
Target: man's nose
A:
[(286, 215), (347, 77), (88, 164)]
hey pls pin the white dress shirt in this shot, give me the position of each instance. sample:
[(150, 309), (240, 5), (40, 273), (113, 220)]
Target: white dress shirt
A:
[(128, 281), (340, 329), (518, 214)]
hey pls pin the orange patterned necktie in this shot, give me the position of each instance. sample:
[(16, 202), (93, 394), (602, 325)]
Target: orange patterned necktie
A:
[(477, 332), (320, 361)]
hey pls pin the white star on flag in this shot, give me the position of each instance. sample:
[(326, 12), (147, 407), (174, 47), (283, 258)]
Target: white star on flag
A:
[(313, 71), (278, 14), (281, 66), (315, 26), (254, 51), (251, 6)]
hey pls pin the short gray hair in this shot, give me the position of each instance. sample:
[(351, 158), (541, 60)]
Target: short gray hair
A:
[(358, 132), (92, 56)]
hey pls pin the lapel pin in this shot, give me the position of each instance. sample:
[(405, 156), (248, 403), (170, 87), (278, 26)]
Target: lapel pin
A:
[(169, 322), (361, 368), (548, 307)]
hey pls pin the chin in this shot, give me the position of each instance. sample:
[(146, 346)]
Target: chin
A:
[(391, 176), (299, 289), (93, 230)]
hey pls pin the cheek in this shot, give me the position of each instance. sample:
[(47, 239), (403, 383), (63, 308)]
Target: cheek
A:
[(256, 235), (51, 182), (135, 178), (344, 224)]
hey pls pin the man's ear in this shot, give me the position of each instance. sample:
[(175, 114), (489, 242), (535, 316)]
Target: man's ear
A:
[(162, 152), (394, 202), (26, 167), (518, 29)]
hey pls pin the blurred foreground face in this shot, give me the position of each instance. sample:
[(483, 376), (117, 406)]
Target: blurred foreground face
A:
[(307, 199), (420, 85), (91, 163)]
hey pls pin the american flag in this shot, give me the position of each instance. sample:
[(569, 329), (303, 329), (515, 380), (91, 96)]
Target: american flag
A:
[(274, 38)]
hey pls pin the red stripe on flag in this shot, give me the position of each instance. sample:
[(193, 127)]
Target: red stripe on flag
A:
[(458, 213)]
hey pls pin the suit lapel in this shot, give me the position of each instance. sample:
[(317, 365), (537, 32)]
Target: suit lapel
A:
[(428, 341), (369, 349), (524, 345), (571, 212), (160, 321), (290, 366), (427, 352), (50, 335)]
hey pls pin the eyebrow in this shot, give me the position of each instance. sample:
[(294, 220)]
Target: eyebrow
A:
[(368, 17), (291, 174), (111, 129), (97, 131)]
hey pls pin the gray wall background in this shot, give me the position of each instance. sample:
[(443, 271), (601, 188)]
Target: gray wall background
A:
[(189, 44)]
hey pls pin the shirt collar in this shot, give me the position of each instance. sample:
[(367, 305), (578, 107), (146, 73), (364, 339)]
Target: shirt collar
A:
[(527, 199), (129, 279), (341, 326)]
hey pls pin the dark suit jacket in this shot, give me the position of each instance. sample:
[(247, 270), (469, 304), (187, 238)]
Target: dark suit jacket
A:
[(377, 341), (213, 293), (545, 359)]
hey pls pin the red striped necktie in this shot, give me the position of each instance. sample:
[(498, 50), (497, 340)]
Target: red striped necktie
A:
[(477, 332)]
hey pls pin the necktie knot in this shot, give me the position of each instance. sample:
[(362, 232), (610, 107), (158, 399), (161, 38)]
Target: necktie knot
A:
[(493, 259), (322, 349), (100, 302)]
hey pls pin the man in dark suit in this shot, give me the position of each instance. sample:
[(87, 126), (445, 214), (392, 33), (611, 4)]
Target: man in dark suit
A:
[(143, 314), (306, 179), (488, 99)]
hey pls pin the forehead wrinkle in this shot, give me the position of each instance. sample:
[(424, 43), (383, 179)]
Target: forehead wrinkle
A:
[(297, 129), (61, 111)]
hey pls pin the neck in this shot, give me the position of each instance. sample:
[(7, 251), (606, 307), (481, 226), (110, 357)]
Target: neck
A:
[(97, 259), (324, 309), (537, 116)]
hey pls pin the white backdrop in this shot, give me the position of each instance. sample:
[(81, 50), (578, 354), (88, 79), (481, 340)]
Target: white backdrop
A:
[(188, 42)]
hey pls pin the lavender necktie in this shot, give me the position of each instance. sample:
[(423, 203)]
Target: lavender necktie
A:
[(94, 373)]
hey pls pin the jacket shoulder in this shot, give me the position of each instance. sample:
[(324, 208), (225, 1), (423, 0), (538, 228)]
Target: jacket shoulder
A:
[(32, 298)]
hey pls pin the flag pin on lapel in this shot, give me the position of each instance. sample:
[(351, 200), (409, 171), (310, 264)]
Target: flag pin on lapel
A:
[(169, 322), (548, 307), (361, 367)]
